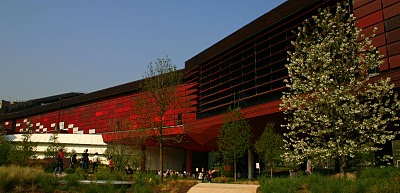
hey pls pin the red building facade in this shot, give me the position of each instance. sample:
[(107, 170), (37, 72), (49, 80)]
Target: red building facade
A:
[(245, 69)]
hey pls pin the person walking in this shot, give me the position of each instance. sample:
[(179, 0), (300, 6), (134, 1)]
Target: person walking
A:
[(129, 171), (309, 166), (202, 175), (73, 160), (95, 161), (111, 164), (59, 160), (85, 160)]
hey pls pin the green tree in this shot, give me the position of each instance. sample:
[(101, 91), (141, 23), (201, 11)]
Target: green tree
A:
[(126, 148), (159, 99), (24, 150), (234, 137), (5, 147), (54, 147), (333, 109), (269, 146)]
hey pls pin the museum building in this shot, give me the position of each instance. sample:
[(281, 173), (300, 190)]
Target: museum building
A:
[(245, 69)]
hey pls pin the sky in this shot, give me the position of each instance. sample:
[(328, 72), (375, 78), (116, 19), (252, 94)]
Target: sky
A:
[(50, 47)]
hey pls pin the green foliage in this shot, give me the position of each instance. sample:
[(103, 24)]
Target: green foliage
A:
[(123, 154), (47, 183), (69, 170), (24, 150), (81, 172), (13, 177), (159, 95), (371, 180), (269, 145), (99, 188), (280, 185), (54, 147), (145, 182), (72, 180), (5, 147), (234, 138), (50, 167), (105, 174), (333, 109)]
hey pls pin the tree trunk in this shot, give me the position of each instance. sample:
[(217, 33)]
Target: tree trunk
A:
[(343, 166), (271, 165), (143, 158), (161, 161), (234, 167)]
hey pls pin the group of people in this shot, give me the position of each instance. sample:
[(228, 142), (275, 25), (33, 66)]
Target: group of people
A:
[(73, 161), (206, 175)]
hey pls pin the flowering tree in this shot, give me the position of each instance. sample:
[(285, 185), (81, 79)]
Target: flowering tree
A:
[(332, 107)]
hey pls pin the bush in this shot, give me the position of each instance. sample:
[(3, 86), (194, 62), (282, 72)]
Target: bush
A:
[(142, 189), (72, 180), (70, 171), (99, 188), (107, 175), (277, 185), (81, 172), (21, 178), (47, 183), (50, 167)]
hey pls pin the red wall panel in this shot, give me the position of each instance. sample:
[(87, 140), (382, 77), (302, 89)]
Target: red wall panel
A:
[(395, 61), (359, 3), (97, 115), (389, 2), (370, 19), (392, 10), (368, 9)]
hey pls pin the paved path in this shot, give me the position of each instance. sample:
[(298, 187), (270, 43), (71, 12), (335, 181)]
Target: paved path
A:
[(101, 182), (223, 188)]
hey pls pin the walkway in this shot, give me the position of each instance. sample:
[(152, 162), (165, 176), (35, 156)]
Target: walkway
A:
[(223, 188)]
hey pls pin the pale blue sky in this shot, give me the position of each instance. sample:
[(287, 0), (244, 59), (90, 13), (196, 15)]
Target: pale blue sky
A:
[(49, 47)]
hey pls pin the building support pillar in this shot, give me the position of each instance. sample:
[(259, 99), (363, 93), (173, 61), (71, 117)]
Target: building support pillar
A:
[(250, 164), (188, 161)]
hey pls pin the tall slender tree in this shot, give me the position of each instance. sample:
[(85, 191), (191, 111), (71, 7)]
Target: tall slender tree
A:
[(333, 109), (160, 98), (234, 137), (270, 146)]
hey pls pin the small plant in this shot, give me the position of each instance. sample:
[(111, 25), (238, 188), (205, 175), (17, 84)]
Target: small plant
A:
[(70, 171), (47, 183), (50, 167), (72, 180), (82, 173)]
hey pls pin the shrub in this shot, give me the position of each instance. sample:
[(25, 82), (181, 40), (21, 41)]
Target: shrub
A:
[(15, 177), (70, 171), (81, 172), (142, 189), (47, 183), (50, 167), (99, 188), (72, 180), (106, 175), (277, 185)]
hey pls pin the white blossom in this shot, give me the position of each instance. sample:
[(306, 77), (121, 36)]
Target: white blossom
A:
[(332, 108)]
